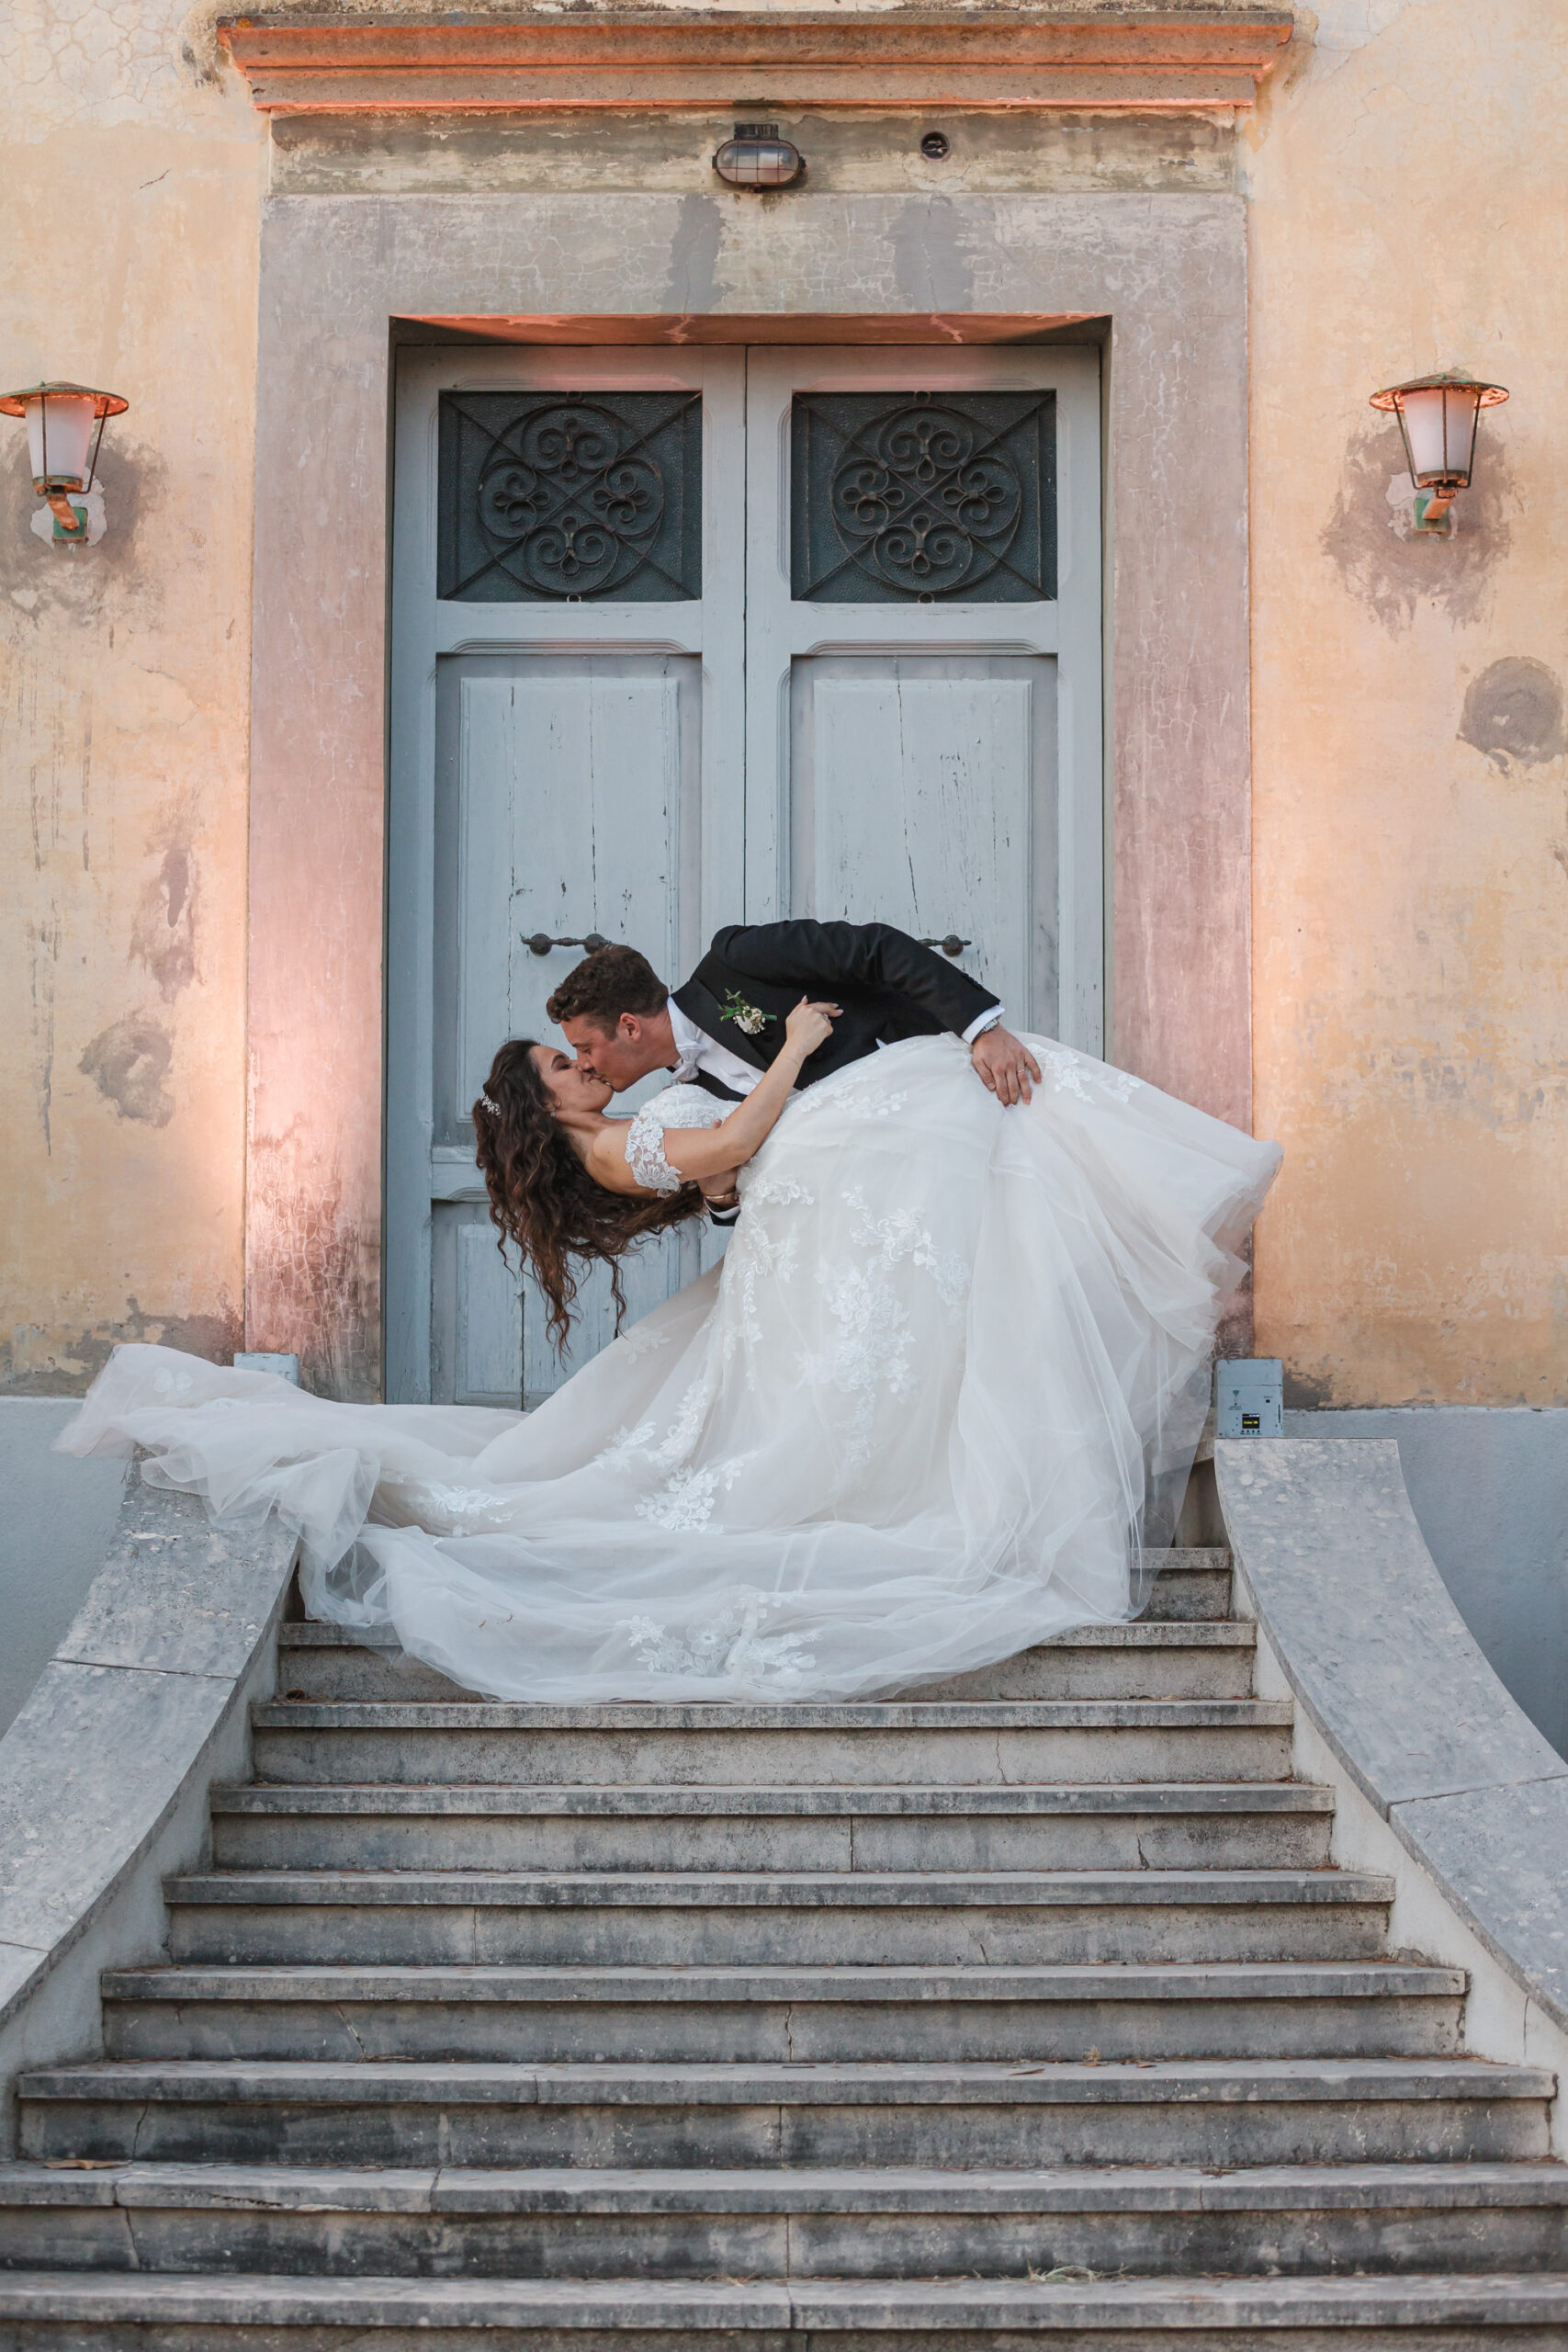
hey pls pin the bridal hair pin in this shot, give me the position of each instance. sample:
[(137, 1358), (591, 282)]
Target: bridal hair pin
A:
[(493, 1108)]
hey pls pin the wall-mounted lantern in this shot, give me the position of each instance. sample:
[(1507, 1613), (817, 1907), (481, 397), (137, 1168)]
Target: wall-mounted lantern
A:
[(63, 447), (758, 158), (1438, 417)]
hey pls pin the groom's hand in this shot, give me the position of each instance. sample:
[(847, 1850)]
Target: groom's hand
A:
[(1008, 1067)]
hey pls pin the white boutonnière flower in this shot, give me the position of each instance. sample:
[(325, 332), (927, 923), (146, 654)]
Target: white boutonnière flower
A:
[(749, 1017)]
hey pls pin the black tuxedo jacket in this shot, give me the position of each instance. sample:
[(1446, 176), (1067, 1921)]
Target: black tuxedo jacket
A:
[(889, 985)]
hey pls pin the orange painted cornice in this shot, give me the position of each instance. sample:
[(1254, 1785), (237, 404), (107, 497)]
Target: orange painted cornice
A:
[(999, 53)]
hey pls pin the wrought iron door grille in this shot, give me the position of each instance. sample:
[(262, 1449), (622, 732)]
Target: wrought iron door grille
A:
[(556, 496), (923, 497)]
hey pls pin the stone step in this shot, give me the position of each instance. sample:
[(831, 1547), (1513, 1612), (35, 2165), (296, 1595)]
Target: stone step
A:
[(1528, 2311), (542, 2016), (1194, 1583), (767, 2223), (1157, 1660), (564, 1918), (1202, 1825), (1205, 2112), (952, 1740), (90, 2313)]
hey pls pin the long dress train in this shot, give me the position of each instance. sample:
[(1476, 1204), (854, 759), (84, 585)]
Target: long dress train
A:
[(941, 1393)]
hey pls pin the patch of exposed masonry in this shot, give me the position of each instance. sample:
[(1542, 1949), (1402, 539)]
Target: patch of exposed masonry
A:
[(1513, 712), (319, 1273), (1389, 567), (693, 282), (34, 1363), (128, 1063), (930, 260), (163, 936), (1342, 27)]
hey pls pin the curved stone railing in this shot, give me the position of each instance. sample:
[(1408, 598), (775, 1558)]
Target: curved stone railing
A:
[(104, 1775), (1408, 1716)]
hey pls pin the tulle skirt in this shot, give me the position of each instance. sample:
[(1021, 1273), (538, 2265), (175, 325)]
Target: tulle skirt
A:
[(938, 1402)]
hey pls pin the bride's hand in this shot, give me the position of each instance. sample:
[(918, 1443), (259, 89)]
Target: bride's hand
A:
[(810, 1025)]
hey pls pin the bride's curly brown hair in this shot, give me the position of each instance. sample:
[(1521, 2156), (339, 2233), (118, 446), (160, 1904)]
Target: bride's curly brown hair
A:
[(542, 1197)]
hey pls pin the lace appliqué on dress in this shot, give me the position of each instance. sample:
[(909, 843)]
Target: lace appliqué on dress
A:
[(873, 1102), (775, 1191), (441, 1509), (640, 1341), (1068, 1070), (625, 1447), (754, 1256), (733, 1644), (685, 1501), (687, 1426), (676, 1106), (869, 1350), (901, 1235), (857, 1091)]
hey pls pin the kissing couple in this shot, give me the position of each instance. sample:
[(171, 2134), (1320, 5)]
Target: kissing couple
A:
[(938, 1403)]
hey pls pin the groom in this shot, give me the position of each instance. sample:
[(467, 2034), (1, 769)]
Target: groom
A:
[(724, 1027)]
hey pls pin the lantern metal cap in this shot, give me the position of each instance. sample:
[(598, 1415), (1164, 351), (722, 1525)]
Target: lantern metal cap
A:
[(1448, 378), (105, 403)]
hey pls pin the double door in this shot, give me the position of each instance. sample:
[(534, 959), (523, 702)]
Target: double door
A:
[(682, 638)]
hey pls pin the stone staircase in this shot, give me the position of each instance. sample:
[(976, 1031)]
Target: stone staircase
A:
[(1034, 2008)]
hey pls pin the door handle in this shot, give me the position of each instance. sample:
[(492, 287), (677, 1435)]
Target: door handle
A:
[(951, 946), (541, 943)]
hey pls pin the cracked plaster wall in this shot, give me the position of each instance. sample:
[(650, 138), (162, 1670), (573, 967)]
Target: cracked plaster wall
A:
[(1408, 188), (133, 191)]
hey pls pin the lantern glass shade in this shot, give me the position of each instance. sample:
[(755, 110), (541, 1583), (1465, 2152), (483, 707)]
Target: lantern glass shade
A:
[(1439, 427), (59, 433), (1438, 417), (64, 425)]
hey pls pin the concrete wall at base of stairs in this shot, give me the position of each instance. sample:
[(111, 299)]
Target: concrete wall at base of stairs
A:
[(105, 1773), (55, 1526), (1489, 1486)]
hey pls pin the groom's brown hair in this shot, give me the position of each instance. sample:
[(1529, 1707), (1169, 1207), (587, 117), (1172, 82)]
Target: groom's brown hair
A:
[(610, 981)]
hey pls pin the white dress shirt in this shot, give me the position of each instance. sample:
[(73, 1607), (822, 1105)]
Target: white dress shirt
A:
[(698, 1051)]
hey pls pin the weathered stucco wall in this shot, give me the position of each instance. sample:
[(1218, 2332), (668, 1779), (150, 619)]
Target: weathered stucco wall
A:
[(1409, 210), (1405, 184), (131, 195)]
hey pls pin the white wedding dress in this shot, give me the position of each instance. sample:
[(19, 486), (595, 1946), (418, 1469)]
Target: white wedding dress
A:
[(941, 1393)]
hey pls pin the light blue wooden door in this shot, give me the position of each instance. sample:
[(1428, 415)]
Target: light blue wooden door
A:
[(923, 657), (565, 785), (568, 761), (685, 638)]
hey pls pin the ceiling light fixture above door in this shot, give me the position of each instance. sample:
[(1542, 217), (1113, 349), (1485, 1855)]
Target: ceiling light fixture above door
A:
[(757, 158)]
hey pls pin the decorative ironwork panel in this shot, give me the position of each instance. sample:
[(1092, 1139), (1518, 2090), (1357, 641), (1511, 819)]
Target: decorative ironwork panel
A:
[(554, 496), (923, 497)]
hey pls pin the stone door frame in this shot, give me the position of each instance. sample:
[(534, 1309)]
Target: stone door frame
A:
[(1160, 281)]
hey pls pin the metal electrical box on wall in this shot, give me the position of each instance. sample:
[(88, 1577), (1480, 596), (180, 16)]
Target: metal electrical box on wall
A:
[(1249, 1397)]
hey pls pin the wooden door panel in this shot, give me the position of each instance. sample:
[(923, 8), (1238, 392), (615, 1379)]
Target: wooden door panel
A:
[(567, 757), (565, 783), (923, 657), (570, 775), (477, 1327), (922, 794)]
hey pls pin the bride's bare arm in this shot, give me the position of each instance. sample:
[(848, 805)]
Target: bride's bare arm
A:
[(697, 1152)]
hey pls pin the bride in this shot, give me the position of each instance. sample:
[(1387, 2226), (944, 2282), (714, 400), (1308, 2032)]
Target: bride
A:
[(939, 1401)]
